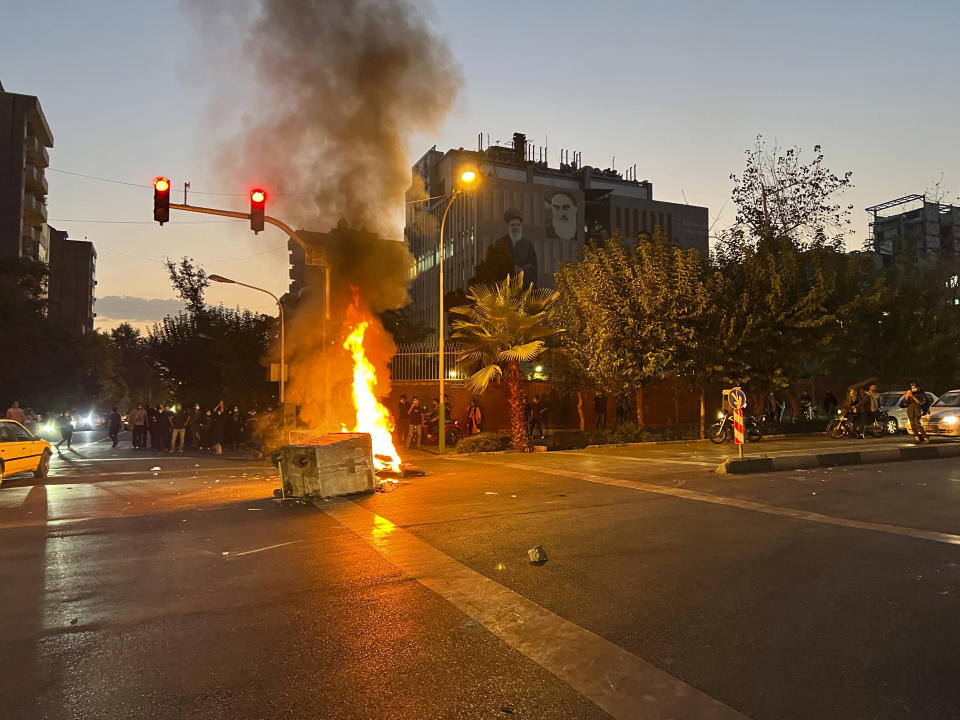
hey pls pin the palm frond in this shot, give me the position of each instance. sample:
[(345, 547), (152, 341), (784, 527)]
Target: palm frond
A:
[(478, 382)]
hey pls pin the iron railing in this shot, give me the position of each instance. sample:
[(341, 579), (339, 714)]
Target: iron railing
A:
[(417, 362)]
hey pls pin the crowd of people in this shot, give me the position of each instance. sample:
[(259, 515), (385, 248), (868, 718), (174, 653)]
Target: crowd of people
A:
[(163, 428), (417, 424), (177, 428)]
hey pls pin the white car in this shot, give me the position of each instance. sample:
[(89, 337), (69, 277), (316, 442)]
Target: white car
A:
[(944, 417), (890, 404), (21, 451)]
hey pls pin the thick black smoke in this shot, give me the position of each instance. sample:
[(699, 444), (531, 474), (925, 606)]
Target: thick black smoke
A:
[(330, 93)]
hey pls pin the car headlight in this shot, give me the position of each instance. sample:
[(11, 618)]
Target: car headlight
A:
[(49, 427), (949, 420)]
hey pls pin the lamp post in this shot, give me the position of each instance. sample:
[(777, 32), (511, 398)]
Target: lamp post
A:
[(221, 279), (467, 178)]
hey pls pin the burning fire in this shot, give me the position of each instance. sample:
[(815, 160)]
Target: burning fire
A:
[(372, 416)]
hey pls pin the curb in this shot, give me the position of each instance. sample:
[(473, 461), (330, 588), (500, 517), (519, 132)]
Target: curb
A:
[(733, 466)]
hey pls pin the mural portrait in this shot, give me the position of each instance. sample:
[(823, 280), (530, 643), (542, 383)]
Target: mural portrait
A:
[(561, 216), (519, 248)]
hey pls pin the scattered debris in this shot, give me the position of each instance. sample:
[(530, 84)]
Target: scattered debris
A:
[(538, 556), (156, 467), (227, 552), (513, 496), (254, 508), (489, 492), (387, 485)]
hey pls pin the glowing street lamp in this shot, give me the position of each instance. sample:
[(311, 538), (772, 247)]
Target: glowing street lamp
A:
[(468, 179)]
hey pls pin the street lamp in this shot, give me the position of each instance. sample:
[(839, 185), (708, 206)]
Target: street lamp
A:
[(467, 179), (221, 279)]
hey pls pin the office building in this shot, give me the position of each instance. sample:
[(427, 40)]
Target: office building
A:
[(24, 139), (913, 224), (543, 213), (73, 281)]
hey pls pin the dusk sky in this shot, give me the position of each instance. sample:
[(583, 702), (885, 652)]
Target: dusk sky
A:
[(680, 89)]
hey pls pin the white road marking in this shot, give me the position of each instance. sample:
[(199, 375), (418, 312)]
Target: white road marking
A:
[(619, 682), (941, 537), (269, 547), (653, 460)]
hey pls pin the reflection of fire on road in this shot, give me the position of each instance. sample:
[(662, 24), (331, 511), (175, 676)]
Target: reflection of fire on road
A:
[(372, 416)]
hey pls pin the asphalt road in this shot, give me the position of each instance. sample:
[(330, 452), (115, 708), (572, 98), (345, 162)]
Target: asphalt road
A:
[(669, 591)]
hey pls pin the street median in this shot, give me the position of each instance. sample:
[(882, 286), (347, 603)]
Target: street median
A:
[(735, 466)]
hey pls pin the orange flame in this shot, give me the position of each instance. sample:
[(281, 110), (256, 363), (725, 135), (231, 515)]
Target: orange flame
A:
[(372, 416)]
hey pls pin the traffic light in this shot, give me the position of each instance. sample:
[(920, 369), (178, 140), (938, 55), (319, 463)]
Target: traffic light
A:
[(258, 202), (161, 200)]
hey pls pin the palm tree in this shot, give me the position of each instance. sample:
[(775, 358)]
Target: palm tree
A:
[(502, 326)]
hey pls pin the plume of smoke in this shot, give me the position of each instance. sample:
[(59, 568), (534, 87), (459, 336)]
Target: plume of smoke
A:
[(340, 88)]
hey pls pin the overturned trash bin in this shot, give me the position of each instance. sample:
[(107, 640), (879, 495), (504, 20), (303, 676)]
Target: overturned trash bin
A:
[(327, 465)]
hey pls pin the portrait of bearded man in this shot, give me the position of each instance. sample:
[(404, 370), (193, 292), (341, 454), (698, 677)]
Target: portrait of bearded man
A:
[(519, 249), (562, 211)]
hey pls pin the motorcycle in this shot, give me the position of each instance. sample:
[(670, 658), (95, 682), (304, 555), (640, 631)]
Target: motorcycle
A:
[(721, 432), (452, 436), (845, 426)]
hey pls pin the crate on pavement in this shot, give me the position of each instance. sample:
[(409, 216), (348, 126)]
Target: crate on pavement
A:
[(327, 465)]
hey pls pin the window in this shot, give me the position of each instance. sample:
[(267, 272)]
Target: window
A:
[(20, 433)]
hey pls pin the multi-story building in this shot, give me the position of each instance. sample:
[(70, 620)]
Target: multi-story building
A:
[(73, 281), (930, 231), (24, 139), (541, 213)]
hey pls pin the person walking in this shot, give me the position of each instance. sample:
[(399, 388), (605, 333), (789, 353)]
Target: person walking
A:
[(194, 426), (233, 428), (623, 409), (403, 422), (138, 423), (65, 426), (15, 412), (917, 406), (414, 422), (114, 422), (178, 431), (600, 409), (474, 418)]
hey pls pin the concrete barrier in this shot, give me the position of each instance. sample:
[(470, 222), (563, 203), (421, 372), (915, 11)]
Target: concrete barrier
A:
[(734, 466)]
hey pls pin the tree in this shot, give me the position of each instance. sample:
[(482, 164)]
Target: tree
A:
[(214, 356), (190, 281), (502, 326), (778, 195), (631, 315)]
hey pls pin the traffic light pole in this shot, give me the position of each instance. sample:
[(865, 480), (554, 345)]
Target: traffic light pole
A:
[(326, 279)]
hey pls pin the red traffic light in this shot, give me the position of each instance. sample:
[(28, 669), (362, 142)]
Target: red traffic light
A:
[(161, 184), (258, 196)]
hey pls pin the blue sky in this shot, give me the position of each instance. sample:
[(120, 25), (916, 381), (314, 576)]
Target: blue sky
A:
[(679, 88)]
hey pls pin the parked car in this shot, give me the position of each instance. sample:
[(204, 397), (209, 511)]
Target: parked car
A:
[(944, 417), (896, 415), (22, 451)]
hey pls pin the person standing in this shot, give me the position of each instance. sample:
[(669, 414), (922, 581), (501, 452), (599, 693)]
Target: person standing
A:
[(114, 422), (862, 409), (917, 405), (194, 426), (14, 412), (403, 422), (415, 421), (216, 429), (163, 429), (138, 423), (233, 428), (829, 403), (600, 409), (65, 426), (536, 416), (179, 430), (474, 418)]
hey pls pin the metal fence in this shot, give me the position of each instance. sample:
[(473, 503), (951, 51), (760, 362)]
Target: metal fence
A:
[(418, 363)]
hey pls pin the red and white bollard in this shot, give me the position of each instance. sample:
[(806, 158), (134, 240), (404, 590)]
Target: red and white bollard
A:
[(738, 429)]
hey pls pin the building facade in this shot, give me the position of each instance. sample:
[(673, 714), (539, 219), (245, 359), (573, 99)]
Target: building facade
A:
[(912, 224), (24, 139), (73, 281), (541, 214)]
